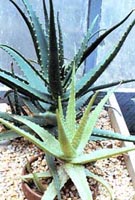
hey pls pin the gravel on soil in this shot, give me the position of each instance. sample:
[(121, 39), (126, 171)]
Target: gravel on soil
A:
[(14, 156)]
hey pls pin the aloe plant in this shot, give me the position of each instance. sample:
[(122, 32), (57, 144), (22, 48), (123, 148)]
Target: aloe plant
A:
[(40, 86), (53, 75), (68, 147)]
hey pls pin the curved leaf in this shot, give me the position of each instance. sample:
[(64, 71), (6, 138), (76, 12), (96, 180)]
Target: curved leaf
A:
[(91, 121), (24, 88), (83, 121), (45, 174), (30, 27), (54, 149), (77, 58), (8, 135), (32, 75), (42, 43), (107, 134), (95, 44), (88, 79), (78, 176), (53, 170), (37, 183), (83, 101), (15, 76), (108, 85), (51, 192), (100, 154), (102, 181)]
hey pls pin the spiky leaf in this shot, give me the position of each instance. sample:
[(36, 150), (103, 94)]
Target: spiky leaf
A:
[(53, 170), (53, 149), (65, 144), (79, 133), (42, 44), (89, 79), (107, 134), (53, 68), (91, 121), (100, 154), (95, 44), (102, 181), (71, 112), (32, 76), (24, 88), (78, 176), (51, 192)]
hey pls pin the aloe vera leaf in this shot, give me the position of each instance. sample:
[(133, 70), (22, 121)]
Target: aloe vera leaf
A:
[(71, 112), (78, 176), (11, 105), (85, 42), (88, 79), (53, 149), (79, 54), (37, 183), (95, 44), (79, 133), (43, 119), (91, 121), (100, 154), (8, 135), (60, 48), (102, 181), (11, 135), (107, 134), (108, 85), (15, 76), (51, 192), (32, 107), (83, 101), (29, 71), (41, 132), (95, 138), (42, 107), (53, 170), (39, 175), (46, 19), (15, 105), (53, 67), (65, 144), (48, 118), (41, 40), (24, 88), (60, 109), (30, 27)]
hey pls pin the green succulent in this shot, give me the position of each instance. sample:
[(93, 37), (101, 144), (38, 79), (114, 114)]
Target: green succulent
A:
[(50, 77), (68, 148)]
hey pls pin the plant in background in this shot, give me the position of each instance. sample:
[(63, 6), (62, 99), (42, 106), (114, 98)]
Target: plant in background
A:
[(68, 148), (50, 77)]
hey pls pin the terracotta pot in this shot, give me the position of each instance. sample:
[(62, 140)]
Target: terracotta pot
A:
[(28, 192)]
